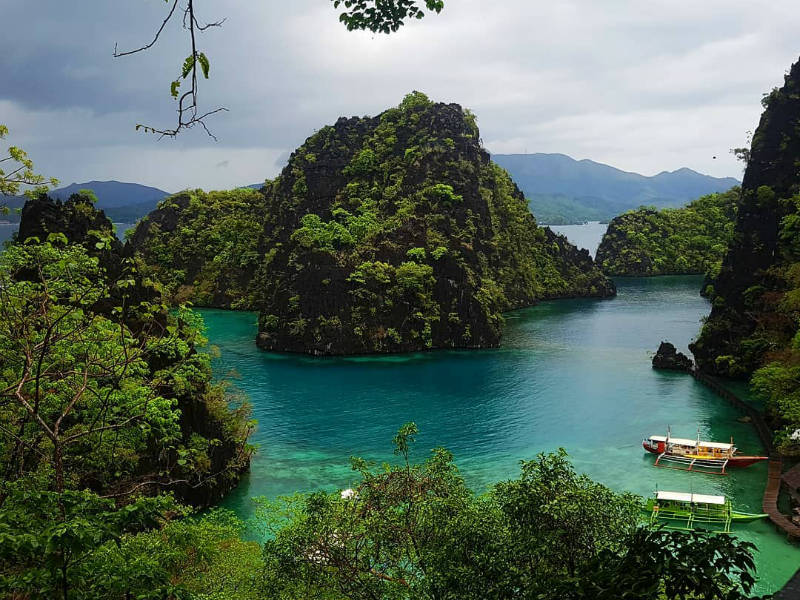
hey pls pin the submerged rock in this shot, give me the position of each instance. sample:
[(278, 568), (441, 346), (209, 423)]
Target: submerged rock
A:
[(667, 357)]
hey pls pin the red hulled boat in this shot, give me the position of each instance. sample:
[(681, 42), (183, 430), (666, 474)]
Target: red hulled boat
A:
[(697, 455)]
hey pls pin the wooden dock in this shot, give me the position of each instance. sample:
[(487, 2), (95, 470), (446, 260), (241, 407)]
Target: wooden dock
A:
[(775, 474), (770, 503)]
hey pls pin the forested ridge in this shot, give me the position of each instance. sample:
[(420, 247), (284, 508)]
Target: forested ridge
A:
[(671, 241)]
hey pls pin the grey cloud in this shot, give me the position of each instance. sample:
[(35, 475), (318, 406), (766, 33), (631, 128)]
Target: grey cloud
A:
[(646, 86)]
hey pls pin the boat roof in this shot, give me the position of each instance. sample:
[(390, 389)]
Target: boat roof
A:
[(692, 443), (685, 497)]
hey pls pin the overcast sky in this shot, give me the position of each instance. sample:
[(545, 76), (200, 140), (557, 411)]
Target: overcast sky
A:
[(643, 85)]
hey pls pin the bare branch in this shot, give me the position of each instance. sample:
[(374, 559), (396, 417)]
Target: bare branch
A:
[(187, 111), (155, 39)]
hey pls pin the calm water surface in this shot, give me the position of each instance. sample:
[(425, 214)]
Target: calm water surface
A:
[(589, 235), (573, 374)]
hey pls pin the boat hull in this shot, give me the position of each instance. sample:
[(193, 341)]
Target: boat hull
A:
[(737, 461), (737, 516)]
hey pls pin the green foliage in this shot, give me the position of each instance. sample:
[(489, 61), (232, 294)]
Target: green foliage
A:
[(204, 246), (383, 16), (441, 192), (778, 385), (93, 395), (191, 559), (414, 530), (105, 402), (17, 171), (48, 537), (671, 241)]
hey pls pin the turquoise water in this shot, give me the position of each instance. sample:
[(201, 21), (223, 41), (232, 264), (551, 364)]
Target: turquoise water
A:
[(573, 374)]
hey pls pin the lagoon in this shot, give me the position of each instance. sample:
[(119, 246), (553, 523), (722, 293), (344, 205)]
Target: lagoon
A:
[(571, 373)]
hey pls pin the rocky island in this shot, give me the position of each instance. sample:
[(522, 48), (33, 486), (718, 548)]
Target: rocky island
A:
[(397, 233), (393, 233), (670, 241)]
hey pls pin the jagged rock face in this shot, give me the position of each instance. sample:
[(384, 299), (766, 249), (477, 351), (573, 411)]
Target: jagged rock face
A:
[(75, 218), (397, 233), (749, 317), (667, 357)]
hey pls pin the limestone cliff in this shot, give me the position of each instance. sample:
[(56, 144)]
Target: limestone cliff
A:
[(397, 233), (754, 311)]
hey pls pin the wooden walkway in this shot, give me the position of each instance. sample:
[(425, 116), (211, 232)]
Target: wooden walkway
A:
[(769, 503)]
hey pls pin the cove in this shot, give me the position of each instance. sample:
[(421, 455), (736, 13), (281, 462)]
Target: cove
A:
[(570, 373)]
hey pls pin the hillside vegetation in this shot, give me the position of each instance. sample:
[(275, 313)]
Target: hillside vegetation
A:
[(204, 246), (753, 326), (671, 241)]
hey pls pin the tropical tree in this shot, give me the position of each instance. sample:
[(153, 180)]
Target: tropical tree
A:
[(17, 171), (416, 531)]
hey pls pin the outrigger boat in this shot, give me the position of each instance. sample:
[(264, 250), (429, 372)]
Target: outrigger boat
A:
[(697, 455), (688, 512)]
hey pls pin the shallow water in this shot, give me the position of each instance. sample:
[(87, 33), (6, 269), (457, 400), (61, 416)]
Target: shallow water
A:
[(573, 374)]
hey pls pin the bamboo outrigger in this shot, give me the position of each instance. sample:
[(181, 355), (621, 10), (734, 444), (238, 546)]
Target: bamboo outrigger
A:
[(697, 455), (689, 512)]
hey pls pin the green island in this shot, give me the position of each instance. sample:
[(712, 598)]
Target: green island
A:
[(388, 234), (670, 241), (177, 408)]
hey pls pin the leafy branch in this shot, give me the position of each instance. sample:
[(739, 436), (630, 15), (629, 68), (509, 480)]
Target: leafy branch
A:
[(16, 171), (189, 114), (378, 16)]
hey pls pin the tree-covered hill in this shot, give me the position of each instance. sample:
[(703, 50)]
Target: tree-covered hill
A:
[(564, 190), (398, 233), (204, 246), (753, 326), (670, 241), (102, 382)]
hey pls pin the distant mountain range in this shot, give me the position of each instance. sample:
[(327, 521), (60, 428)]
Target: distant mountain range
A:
[(122, 202), (559, 189), (563, 190)]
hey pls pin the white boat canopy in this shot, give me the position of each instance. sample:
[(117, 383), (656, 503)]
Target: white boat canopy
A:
[(691, 443), (692, 498)]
